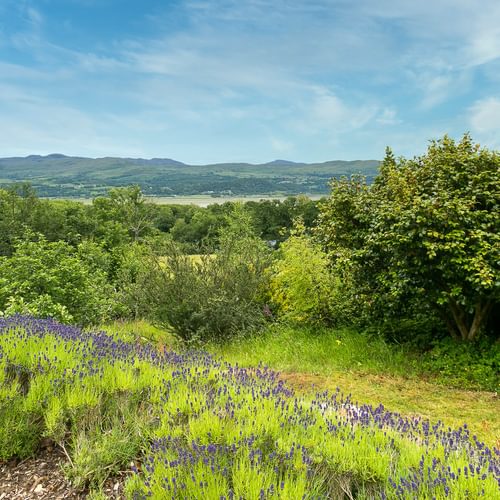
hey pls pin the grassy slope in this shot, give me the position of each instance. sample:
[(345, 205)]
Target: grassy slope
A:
[(367, 368), (190, 426)]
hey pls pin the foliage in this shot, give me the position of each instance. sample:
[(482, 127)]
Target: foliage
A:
[(302, 285), (474, 365), (440, 217), (218, 294), (197, 229), (127, 207), (52, 279), (426, 234), (343, 230), (134, 266), (42, 306), (274, 218), (18, 205)]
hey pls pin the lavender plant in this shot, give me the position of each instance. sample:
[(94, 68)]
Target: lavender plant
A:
[(197, 427)]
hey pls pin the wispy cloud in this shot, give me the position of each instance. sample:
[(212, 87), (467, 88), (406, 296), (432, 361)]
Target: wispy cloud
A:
[(242, 80), (485, 120)]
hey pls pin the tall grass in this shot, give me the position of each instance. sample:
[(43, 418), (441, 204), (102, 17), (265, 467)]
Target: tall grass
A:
[(316, 350)]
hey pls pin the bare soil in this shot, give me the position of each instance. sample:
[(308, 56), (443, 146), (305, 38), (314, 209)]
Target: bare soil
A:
[(41, 478)]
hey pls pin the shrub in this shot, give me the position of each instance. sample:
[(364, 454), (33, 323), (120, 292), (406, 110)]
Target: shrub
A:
[(426, 232), (474, 365), (40, 307), (52, 280), (134, 268), (301, 282), (213, 295)]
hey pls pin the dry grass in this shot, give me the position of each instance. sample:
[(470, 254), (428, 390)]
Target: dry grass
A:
[(479, 410)]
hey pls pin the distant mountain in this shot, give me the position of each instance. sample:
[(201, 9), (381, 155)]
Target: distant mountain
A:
[(59, 175), (281, 163)]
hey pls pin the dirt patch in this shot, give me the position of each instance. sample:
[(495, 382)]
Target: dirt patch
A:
[(42, 478)]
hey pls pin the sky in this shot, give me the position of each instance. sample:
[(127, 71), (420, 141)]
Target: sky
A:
[(205, 81)]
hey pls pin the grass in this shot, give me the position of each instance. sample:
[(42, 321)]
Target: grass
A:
[(139, 332), (318, 351), (195, 426), (370, 370), (364, 366)]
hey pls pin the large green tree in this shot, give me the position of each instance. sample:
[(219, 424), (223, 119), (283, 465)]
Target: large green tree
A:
[(429, 227)]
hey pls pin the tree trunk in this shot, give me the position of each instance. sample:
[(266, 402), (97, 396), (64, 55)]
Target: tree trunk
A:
[(481, 312), (462, 328)]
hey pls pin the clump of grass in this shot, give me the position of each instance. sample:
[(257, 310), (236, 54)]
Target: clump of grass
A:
[(139, 331)]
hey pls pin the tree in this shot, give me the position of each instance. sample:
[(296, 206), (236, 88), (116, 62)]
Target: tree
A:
[(18, 206), (128, 207), (433, 229), (440, 216)]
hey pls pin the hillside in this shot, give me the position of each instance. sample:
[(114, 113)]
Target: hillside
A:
[(70, 176)]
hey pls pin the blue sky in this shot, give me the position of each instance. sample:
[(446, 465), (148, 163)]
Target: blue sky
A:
[(232, 80)]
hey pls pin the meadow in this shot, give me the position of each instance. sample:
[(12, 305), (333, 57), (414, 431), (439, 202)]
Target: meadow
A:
[(368, 368), (196, 426)]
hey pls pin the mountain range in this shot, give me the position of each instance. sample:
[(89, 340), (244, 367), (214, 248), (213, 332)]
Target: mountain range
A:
[(58, 175)]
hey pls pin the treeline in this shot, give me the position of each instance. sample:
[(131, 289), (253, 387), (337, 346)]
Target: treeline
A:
[(124, 215), (87, 264)]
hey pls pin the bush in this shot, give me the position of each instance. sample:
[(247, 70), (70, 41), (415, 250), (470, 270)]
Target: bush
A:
[(300, 282), (53, 280), (134, 268), (214, 295), (419, 332), (474, 365), (40, 307), (425, 233), (305, 288)]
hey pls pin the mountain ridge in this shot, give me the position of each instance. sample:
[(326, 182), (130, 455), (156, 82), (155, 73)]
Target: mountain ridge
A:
[(60, 175)]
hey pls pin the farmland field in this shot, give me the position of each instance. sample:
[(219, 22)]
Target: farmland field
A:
[(201, 200), (191, 425)]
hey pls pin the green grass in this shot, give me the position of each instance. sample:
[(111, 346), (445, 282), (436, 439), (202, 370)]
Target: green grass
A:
[(365, 366), (318, 351), (139, 331), (371, 370)]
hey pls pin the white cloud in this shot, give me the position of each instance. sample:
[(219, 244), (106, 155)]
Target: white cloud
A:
[(485, 115), (388, 116), (329, 112), (244, 73)]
